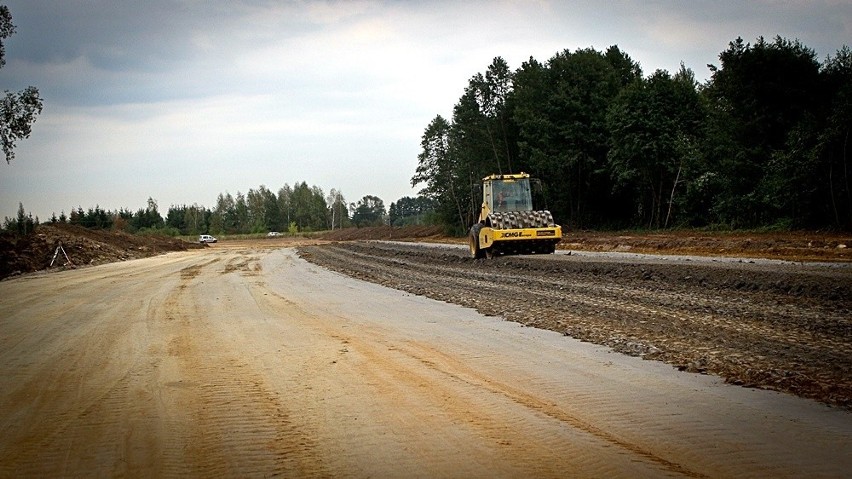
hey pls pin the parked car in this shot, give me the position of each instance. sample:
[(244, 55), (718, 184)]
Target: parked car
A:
[(206, 239), (273, 234)]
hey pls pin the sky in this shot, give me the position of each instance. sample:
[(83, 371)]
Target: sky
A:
[(181, 100)]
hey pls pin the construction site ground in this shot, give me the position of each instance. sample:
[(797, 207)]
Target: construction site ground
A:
[(244, 359), (768, 324), (38, 251), (86, 247)]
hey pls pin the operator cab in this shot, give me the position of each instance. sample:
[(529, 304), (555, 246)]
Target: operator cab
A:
[(504, 193)]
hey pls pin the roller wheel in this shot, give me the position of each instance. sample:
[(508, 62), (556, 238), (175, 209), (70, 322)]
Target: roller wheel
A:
[(473, 241)]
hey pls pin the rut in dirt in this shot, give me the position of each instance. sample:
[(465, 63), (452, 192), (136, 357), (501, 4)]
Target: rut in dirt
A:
[(785, 329)]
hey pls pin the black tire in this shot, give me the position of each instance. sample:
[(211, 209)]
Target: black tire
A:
[(473, 242)]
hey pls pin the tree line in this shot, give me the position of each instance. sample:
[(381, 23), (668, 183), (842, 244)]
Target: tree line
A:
[(294, 209), (763, 143)]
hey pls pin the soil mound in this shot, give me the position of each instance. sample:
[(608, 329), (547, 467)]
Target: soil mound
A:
[(783, 245), (83, 246)]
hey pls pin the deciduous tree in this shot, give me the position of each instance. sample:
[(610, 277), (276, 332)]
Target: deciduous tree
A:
[(18, 110)]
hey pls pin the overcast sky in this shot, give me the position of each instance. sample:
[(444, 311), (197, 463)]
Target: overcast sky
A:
[(181, 100)]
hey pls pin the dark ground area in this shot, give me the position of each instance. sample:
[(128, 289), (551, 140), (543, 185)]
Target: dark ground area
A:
[(786, 245)]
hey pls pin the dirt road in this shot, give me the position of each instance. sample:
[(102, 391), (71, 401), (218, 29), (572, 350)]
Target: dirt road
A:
[(247, 361)]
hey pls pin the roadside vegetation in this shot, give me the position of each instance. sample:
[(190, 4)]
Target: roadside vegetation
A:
[(293, 210), (765, 142)]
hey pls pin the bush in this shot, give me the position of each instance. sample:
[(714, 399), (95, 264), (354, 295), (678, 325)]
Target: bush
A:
[(165, 231)]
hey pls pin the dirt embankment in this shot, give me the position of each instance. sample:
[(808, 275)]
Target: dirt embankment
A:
[(83, 246), (782, 327), (389, 233), (790, 246)]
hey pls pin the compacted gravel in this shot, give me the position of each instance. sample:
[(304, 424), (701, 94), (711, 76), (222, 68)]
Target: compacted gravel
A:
[(772, 325)]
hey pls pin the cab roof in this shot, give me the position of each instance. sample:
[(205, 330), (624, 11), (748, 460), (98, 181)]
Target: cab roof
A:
[(513, 176)]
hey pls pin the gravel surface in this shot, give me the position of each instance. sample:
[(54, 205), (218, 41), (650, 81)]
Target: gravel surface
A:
[(786, 327)]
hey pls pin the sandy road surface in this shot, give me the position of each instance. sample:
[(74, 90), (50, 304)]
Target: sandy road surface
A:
[(769, 324), (246, 361)]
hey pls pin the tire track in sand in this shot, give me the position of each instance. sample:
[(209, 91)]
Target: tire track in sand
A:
[(234, 423), (534, 435)]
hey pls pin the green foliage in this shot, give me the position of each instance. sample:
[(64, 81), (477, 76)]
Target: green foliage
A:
[(338, 210), (223, 219), (764, 142), (147, 218), (761, 98), (302, 207), (296, 209), (93, 218), (98, 218), (368, 211), (188, 220), (23, 224), (164, 231), (262, 212), (412, 211), (832, 146), (654, 125), (307, 208), (18, 110), (561, 112), (439, 169)]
